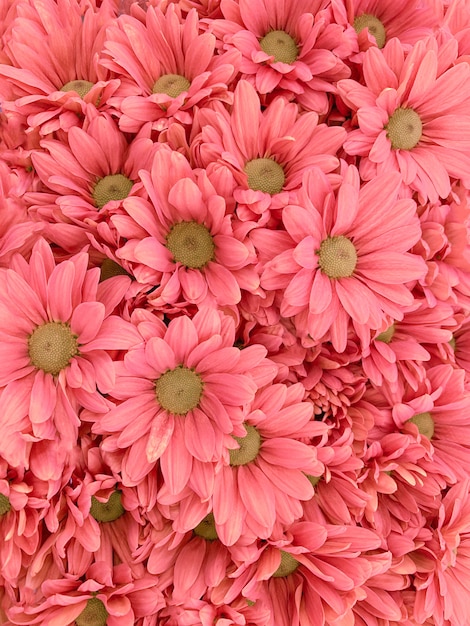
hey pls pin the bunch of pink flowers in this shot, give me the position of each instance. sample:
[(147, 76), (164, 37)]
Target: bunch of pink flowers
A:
[(235, 312)]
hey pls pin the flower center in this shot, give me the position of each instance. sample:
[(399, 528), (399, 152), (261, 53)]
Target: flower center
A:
[(375, 26), (51, 346), (206, 528), (112, 187), (280, 45), (338, 257), (191, 244), (179, 391), (249, 447), (314, 480), (82, 87), (404, 129), (110, 268), (387, 335), (287, 566), (94, 614), (5, 505), (265, 175), (452, 343), (107, 511), (425, 423), (171, 84)]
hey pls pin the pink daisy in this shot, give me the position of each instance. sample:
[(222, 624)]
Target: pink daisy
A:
[(408, 112), (267, 157), (265, 478), (346, 253), (288, 47), (166, 67), (182, 240), (54, 79), (186, 387), (57, 329)]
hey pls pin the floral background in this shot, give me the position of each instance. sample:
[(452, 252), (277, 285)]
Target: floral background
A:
[(234, 312)]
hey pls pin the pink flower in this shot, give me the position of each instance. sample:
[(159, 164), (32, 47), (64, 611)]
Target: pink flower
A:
[(56, 331), (288, 47), (408, 112), (343, 257), (186, 388), (182, 241)]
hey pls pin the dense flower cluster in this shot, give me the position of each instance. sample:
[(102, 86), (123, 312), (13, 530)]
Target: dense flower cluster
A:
[(235, 312)]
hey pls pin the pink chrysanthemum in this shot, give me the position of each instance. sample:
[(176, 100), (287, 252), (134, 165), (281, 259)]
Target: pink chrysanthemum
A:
[(56, 331), (182, 240), (345, 257), (413, 116), (289, 47), (192, 387), (55, 79), (267, 157), (166, 67)]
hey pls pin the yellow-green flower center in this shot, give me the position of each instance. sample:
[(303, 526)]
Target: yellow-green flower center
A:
[(374, 25), (249, 447), (51, 346), (404, 129), (112, 187), (314, 480), (171, 84), (110, 268), (191, 244), (452, 343), (265, 175), (337, 257), (107, 511), (280, 45), (287, 566), (179, 391), (94, 614), (5, 505), (425, 423), (206, 528), (82, 87), (387, 335)]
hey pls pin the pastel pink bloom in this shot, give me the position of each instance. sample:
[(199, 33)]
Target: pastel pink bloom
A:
[(346, 256), (166, 67), (203, 612), (408, 113), (184, 420), (86, 178), (57, 328), (182, 241), (267, 157), (437, 414), (54, 79), (257, 490), (303, 57), (107, 593)]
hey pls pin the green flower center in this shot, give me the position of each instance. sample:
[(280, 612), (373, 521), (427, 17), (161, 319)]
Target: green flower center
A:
[(191, 244), (314, 480), (404, 129), (249, 447), (265, 175), (452, 343), (110, 268), (112, 187), (287, 566), (51, 346), (374, 25), (280, 45), (82, 87), (94, 614), (179, 391), (338, 257), (171, 84), (107, 511), (5, 505), (387, 335), (206, 528), (425, 423)]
